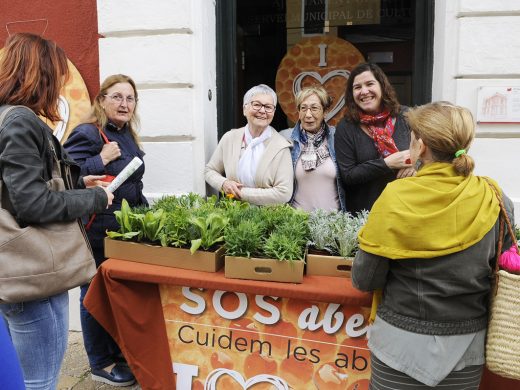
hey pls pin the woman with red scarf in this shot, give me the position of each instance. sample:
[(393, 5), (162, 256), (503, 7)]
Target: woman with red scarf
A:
[(372, 141)]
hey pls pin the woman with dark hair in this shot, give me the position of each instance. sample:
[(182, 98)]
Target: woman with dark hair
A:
[(372, 141), (105, 145), (430, 244), (32, 72)]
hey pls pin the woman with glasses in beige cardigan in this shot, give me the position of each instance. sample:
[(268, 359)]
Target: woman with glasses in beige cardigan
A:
[(253, 163)]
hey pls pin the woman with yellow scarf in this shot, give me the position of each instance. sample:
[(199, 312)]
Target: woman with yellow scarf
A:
[(429, 244)]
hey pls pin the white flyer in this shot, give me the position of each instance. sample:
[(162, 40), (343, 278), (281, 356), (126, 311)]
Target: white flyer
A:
[(125, 174)]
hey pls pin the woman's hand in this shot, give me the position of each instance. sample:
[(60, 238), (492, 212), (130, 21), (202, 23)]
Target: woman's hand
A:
[(399, 160), (95, 180), (406, 172), (110, 196), (110, 152), (232, 187)]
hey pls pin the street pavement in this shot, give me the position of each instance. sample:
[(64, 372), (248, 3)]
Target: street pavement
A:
[(75, 371)]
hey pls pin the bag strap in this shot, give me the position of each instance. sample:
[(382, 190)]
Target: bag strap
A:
[(103, 135), (93, 216), (504, 220)]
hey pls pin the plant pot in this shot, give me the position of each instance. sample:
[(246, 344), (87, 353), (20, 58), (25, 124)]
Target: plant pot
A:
[(264, 269), (322, 264), (165, 256)]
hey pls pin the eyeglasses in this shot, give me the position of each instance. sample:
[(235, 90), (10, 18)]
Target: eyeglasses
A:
[(314, 109), (255, 105), (118, 98)]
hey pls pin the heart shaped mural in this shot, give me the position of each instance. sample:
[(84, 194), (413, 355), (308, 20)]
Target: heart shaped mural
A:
[(321, 60), (340, 101), (213, 377)]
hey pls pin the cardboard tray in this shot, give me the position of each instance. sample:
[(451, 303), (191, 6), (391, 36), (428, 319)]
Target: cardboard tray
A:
[(264, 269), (166, 256), (326, 265)]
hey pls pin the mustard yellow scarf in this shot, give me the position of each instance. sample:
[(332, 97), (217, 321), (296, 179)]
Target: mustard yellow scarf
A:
[(435, 213)]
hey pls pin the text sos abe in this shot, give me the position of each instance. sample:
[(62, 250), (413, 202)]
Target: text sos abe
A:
[(333, 318)]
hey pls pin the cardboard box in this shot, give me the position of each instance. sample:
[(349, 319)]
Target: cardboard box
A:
[(166, 256), (264, 269), (327, 265)]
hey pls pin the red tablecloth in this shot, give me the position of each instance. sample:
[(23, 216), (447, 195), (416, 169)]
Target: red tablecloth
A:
[(124, 298)]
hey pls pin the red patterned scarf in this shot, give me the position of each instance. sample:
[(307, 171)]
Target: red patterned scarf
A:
[(382, 136)]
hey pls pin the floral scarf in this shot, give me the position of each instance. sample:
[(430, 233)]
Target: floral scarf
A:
[(382, 136)]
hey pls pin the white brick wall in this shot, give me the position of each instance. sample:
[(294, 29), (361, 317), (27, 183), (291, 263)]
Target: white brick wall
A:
[(168, 48), (477, 43)]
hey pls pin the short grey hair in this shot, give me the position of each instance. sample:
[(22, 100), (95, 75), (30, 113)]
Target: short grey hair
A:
[(260, 89)]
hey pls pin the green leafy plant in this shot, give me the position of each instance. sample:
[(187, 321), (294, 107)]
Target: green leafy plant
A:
[(280, 246), (335, 231), (209, 229), (278, 232), (152, 224), (128, 224), (244, 239), (178, 230)]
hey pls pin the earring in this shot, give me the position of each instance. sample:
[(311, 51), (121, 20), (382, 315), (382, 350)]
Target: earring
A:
[(418, 164)]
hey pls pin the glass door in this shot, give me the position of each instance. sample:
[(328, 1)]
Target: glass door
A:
[(289, 44)]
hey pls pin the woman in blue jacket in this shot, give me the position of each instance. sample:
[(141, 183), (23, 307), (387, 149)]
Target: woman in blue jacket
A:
[(106, 145), (313, 155)]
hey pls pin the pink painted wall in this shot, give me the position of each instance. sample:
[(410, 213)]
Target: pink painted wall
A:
[(72, 24)]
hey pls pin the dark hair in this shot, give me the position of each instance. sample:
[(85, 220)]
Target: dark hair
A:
[(32, 72), (99, 115), (389, 98)]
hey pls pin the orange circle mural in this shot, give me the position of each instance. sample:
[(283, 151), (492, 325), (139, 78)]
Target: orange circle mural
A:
[(74, 104), (321, 60)]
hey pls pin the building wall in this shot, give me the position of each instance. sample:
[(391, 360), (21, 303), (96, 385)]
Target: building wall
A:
[(477, 43), (169, 50), (73, 25)]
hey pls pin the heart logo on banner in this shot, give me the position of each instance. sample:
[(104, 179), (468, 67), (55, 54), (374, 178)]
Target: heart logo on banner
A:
[(211, 380), (297, 87)]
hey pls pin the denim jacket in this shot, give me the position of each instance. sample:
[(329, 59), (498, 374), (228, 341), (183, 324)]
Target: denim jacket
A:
[(296, 152)]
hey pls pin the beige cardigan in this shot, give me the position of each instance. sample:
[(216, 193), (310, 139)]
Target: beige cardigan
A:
[(274, 175)]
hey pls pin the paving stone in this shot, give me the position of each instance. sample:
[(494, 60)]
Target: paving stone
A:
[(75, 371)]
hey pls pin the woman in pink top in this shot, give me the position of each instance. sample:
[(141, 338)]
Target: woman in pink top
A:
[(316, 177)]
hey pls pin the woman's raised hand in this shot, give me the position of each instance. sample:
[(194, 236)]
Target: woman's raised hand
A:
[(399, 160), (110, 152)]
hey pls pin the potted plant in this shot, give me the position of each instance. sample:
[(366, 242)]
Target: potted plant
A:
[(333, 242), (266, 243), (184, 232)]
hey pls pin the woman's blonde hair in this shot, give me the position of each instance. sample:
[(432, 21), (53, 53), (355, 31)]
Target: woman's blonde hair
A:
[(99, 115), (448, 130), (317, 90)]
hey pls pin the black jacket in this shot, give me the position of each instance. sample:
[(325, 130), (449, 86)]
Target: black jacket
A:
[(26, 162), (84, 146), (445, 295), (364, 173)]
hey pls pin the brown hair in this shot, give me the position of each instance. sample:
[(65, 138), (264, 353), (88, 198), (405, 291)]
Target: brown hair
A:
[(32, 73), (317, 90), (388, 95), (99, 115), (446, 129)]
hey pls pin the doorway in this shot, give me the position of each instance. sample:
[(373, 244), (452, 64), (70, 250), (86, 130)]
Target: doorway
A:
[(256, 40)]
